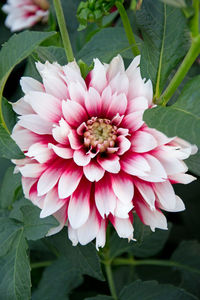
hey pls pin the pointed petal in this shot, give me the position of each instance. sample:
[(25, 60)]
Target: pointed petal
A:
[(61, 132), (74, 113), (134, 164), (109, 163), (51, 203), (133, 121), (165, 194), (98, 76), (101, 235), (157, 173), (123, 227), (93, 171), (146, 190), (29, 84), (118, 105), (116, 66), (62, 152), (143, 142), (35, 124), (181, 178), (21, 107), (122, 186), (93, 102), (81, 158), (124, 144)]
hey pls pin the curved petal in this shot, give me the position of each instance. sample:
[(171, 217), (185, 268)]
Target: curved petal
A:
[(118, 105), (147, 192), (137, 104), (109, 163), (35, 124), (29, 84), (142, 142), (74, 113), (165, 194), (79, 205), (116, 66), (101, 235), (21, 107), (123, 187), (69, 180), (93, 171), (93, 102), (123, 227), (52, 203), (98, 76), (77, 92), (40, 152), (124, 144), (81, 158), (135, 164), (62, 152), (60, 133), (181, 178), (74, 140), (157, 173)]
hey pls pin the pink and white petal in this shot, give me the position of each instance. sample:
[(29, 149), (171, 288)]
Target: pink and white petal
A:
[(98, 76), (36, 124), (61, 216), (160, 137), (93, 171), (118, 105), (72, 73), (21, 107), (123, 131), (69, 180), (180, 206), (49, 178), (45, 105), (181, 178), (147, 192), (81, 158), (157, 173), (35, 199), (55, 85), (139, 88), (124, 144), (32, 170), (123, 187), (74, 113), (106, 99), (133, 66), (23, 137), (93, 102), (60, 133), (77, 92), (74, 140), (29, 84), (79, 205), (101, 235), (72, 235), (165, 194), (170, 163), (133, 121), (52, 203), (110, 163), (116, 66), (122, 210), (62, 152), (88, 231), (137, 104), (116, 120), (143, 142), (40, 152), (123, 227), (135, 164), (120, 84), (152, 218), (27, 183), (105, 199)]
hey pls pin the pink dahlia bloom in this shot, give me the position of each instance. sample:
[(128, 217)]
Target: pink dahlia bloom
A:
[(25, 13), (89, 156)]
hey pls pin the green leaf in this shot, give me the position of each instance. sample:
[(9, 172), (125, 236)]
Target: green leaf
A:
[(9, 114), (8, 188), (151, 290), (188, 253), (163, 46), (15, 281), (176, 3), (115, 41), (181, 119), (100, 297), (8, 147), (57, 281), (193, 163), (147, 243), (52, 54), (85, 258)]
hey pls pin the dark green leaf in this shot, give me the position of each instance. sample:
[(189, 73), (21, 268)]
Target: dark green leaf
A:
[(100, 297), (193, 163), (147, 243), (9, 114), (15, 281), (115, 41), (151, 290), (163, 46), (176, 3), (8, 188), (85, 258), (182, 118), (8, 148), (52, 54), (188, 253), (57, 281), (18, 47)]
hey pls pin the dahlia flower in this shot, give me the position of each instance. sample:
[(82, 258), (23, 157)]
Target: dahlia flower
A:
[(25, 13), (89, 156)]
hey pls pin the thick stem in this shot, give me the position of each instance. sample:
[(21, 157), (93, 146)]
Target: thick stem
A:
[(63, 30), (194, 24), (110, 279), (182, 71), (153, 262), (127, 28)]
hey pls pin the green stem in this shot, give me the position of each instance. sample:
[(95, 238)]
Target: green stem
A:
[(110, 279), (127, 28), (194, 24), (154, 262), (63, 30), (181, 72), (41, 264)]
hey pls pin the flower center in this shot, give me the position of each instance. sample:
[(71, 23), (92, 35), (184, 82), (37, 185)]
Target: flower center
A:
[(100, 134)]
